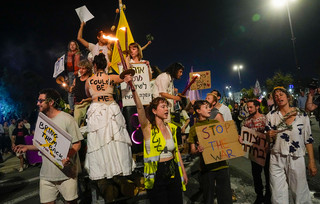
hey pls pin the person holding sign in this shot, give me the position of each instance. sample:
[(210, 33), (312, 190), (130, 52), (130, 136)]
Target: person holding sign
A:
[(257, 122), (291, 130), (215, 177), (164, 85), (53, 179), (101, 47), (164, 173), (109, 145)]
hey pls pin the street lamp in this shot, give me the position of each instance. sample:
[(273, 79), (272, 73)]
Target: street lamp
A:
[(229, 91), (281, 3), (237, 68)]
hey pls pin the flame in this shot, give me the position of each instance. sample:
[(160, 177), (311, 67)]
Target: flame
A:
[(123, 28), (196, 75), (110, 38), (64, 84)]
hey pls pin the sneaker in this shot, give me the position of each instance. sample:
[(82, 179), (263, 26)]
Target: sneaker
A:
[(25, 166), (21, 169)]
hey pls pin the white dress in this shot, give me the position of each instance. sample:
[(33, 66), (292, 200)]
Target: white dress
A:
[(109, 144)]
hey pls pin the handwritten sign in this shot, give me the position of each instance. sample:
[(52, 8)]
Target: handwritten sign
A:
[(141, 82), (255, 144), (202, 82), (58, 66), (51, 140), (220, 141)]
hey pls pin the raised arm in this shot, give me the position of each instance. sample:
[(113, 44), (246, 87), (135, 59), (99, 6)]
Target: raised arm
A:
[(310, 106), (141, 112), (80, 39)]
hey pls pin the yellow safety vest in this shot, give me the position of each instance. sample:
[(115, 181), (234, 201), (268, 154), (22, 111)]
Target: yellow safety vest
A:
[(157, 144)]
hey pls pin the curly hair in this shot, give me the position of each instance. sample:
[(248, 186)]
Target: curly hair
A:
[(100, 61), (173, 69), (52, 94)]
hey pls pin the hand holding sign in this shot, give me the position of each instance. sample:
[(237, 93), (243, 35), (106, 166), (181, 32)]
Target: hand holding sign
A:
[(84, 14), (220, 141)]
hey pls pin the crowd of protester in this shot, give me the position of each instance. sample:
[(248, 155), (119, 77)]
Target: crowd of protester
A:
[(168, 125)]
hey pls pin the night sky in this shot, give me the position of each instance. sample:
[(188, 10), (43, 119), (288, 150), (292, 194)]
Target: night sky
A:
[(208, 35)]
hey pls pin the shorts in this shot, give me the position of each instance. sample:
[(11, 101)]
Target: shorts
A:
[(49, 190)]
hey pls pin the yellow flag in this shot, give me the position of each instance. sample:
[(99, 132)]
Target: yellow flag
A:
[(120, 34)]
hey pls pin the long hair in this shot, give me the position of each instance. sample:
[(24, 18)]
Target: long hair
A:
[(173, 69), (77, 45), (136, 45), (153, 105)]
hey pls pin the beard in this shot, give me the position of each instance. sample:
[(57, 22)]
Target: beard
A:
[(45, 110), (252, 114)]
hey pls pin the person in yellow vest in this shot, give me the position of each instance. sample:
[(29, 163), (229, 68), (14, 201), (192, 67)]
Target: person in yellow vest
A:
[(164, 172)]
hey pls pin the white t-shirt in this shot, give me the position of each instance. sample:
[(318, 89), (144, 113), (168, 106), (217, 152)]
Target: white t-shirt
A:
[(164, 84), (49, 171), (226, 113), (96, 49)]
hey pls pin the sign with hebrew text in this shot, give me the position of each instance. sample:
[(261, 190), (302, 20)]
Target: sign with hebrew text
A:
[(255, 145), (141, 82), (220, 141)]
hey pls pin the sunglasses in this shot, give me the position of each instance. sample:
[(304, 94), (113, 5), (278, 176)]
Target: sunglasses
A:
[(41, 100)]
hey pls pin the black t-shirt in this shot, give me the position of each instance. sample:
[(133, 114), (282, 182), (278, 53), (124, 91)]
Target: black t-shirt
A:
[(20, 133), (79, 90)]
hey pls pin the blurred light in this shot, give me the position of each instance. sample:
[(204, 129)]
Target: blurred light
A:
[(240, 66), (290, 90), (279, 3), (235, 67), (230, 94), (256, 17), (264, 93)]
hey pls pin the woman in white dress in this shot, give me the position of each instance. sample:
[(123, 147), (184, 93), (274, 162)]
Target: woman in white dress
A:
[(109, 145)]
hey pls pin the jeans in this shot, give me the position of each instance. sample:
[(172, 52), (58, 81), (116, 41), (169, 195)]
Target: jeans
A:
[(71, 77), (219, 182)]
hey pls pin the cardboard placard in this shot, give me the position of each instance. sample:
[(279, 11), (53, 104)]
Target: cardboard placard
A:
[(220, 141), (58, 66), (202, 82), (255, 145), (141, 82), (51, 140)]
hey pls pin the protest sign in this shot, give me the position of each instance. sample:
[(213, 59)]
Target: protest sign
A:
[(220, 141), (51, 140), (202, 82), (84, 14), (141, 82), (58, 66), (255, 144)]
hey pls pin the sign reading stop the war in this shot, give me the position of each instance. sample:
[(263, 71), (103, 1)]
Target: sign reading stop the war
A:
[(220, 141)]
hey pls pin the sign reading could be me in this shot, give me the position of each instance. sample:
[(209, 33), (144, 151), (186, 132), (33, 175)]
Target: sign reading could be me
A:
[(255, 144), (220, 141), (141, 82), (202, 82), (51, 140)]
